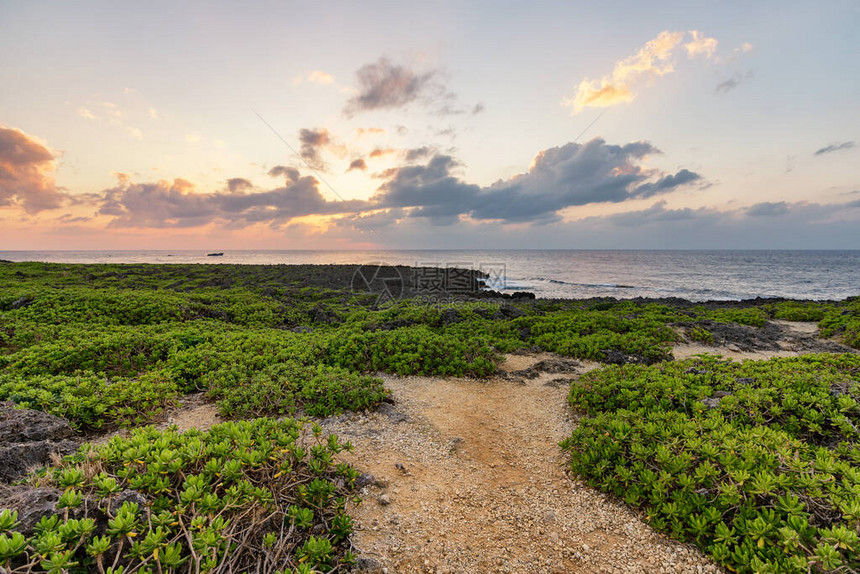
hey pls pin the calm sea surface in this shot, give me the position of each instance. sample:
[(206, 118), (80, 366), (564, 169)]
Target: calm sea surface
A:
[(695, 275)]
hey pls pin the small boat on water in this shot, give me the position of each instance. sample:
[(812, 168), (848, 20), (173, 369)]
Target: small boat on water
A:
[(219, 254)]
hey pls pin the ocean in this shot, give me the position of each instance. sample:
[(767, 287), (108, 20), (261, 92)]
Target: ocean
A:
[(693, 275)]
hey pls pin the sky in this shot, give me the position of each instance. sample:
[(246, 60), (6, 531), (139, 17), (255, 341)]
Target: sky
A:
[(393, 125)]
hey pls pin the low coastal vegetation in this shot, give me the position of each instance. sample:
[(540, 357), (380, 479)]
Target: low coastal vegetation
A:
[(757, 463), (261, 495)]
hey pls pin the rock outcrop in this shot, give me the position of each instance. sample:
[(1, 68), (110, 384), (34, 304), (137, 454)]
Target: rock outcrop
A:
[(28, 439)]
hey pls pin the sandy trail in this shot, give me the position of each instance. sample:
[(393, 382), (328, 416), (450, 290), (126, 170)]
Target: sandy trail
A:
[(484, 486)]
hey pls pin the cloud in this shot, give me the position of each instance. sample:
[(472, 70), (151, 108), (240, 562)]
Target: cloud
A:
[(239, 185), (762, 225), (357, 164), (733, 82), (26, 173), (805, 226), (560, 177), (653, 60), (116, 116), (313, 143), (193, 137), (114, 112), (658, 213), (380, 152), (768, 209), (384, 85), (835, 147), (361, 132), (291, 174), (419, 153), (178, 204), (314, 77), (700, 44)]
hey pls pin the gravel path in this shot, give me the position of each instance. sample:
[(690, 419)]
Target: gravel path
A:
[(469, 478)]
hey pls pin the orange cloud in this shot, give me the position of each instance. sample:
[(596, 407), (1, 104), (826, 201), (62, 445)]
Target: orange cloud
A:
[(607, 95), (379, 152), (369, 131), (26, 173), (700, 44), (653, 60), (314, 77), (358, 164)]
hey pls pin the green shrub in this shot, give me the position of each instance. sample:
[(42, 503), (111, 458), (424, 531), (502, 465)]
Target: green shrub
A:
[(801, 311), (757, 463), (282, 388), (701, 335), (413, 350), (243, 496), (91, 401), (589, 334), (843, 321)]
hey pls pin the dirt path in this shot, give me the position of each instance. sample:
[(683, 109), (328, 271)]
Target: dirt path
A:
[(469, 478)]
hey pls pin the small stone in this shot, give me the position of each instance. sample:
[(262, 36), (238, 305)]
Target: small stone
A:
[(364, 479), (549, 517), (384, 500), (366, 564)]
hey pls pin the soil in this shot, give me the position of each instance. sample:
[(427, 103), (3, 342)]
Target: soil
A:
[(195, 412), (468, 477)]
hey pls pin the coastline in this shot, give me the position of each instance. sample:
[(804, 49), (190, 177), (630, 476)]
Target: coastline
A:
[(454, 398)]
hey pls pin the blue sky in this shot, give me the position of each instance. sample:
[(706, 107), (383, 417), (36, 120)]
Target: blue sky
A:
[(485, 124)]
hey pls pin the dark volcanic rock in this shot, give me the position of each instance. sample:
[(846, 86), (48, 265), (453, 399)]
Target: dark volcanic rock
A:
[(21, 303), (508, 312), (22, 425), (392, 413), (17, 459), (31, 503), (553, 365), (450, 316), (322, 315), (364, 479), (29, 438), (711, 402), (132, 496), (613, 357), (557, 365), (560, 382), (368, 565)]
